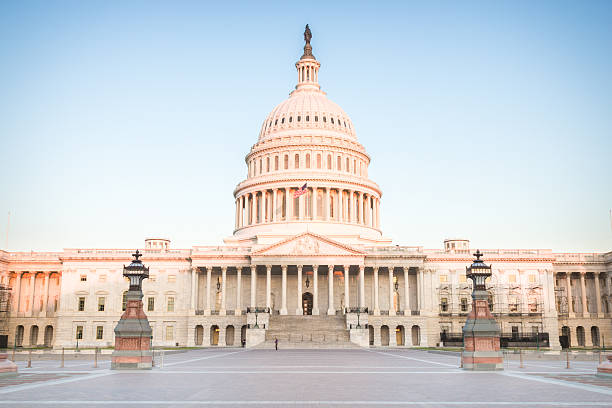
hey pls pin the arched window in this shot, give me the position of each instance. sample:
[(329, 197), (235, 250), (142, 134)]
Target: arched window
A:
[(275, 122), (296, 161), (267, 164), (332, 121), (290, 119), (318, 161), (348, 167), (324, 119), (282, 120), (316, 118), (307, 118), (339, 164), (355, 166), (286, 161), (275, 162), (307, 160), (329, 162), (260, 166)]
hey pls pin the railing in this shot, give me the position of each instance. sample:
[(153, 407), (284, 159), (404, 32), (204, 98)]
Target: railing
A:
[(199, 312), (506, 339), (258, 310), (363, 310), (415, 312)]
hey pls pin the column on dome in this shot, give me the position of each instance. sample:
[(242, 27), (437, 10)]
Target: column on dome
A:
[(299, 310), (391, 292), (238, 310), (378, 213), (376, 303), (262, 207), (350, 204), (222, 310), (315, 290), (327, 203), (331, 310), (302, 207), (289, 206), (283, 310), (359, 214), (340, 206), (274, 205), (347, 277), (236, 215)]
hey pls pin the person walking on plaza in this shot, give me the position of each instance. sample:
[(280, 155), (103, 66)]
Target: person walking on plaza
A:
[(275, 343)]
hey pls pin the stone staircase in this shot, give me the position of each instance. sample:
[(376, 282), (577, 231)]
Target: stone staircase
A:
[(297, 332)]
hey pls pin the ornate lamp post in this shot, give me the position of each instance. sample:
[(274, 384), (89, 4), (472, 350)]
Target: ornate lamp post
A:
[(133, 332), (481, 350)]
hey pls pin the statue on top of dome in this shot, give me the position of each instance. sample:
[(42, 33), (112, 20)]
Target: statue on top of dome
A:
[(307, 34)]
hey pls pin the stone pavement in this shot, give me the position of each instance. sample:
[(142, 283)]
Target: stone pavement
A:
[(307, 378)]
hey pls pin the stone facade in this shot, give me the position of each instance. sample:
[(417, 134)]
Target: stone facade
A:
[(306, 230)]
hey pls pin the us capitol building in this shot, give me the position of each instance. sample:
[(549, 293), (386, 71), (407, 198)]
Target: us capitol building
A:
[(307, 263)]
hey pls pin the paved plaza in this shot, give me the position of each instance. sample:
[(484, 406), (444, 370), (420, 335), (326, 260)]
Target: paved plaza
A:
[(305, 378)]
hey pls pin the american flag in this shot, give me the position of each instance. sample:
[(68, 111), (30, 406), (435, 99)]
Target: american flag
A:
[(300, 191)]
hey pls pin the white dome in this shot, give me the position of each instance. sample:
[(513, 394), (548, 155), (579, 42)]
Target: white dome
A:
[(307, 109)]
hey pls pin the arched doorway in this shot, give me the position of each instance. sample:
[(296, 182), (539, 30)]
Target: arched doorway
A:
[(199, 335), (580, 336), (33, 335), (595, 336), (214, 335), (565, 338), (229, 335), (384, 335), (48, 336), (19, 336), (399, 335), (371, 333), (243, 330), (416, 335), (307, 303)]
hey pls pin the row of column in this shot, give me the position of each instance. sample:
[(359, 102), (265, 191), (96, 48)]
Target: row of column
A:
[(16, 295), (315, 307), (363, 209), (584, 292)]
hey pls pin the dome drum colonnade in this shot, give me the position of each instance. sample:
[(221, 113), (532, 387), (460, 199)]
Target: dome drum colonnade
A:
[(310, 140)]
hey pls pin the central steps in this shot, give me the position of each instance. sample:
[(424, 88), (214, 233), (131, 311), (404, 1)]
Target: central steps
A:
[(307, 332)]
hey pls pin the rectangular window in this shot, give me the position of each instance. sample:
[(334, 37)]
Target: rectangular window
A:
[(170, 303), (99, 332), (169, 333), (532, 278), (150, 304), (83, 278), (462, 278), (444, 304), (79, 333), (171, 278), (101, 304), (81, 304), (443, 278), (464, 305)]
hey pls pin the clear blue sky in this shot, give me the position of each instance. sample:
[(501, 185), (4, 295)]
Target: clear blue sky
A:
[(485, 120)]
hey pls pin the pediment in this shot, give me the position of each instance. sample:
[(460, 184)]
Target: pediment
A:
[(308, 244)]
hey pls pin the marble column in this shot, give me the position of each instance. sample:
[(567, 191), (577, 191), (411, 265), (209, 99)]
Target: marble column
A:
[(406, 292), (268, 286), (568, 285), (238, 310), (330, 290), (327, 203), (350, 207), (32, 290), (376, 303), (299, 310), (585, 310), (45, 293), (313, 203), (208, 281), (391, 291), (420, 287), (359, 214), (283, 310), (253, 286), (193, 283), (289, 204), (347, 278), (262, 208), (315, 289), (17, 291), (223, 310), (274, 203), (597, 295), (340, 206), (361, 286)]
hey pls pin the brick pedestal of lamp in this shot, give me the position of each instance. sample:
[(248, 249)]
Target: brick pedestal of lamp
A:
[(132, 337), (481, 350)]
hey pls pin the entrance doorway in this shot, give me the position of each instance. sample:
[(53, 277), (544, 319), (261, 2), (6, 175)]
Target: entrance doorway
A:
[(307, 303)]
